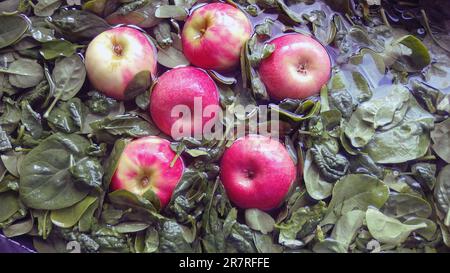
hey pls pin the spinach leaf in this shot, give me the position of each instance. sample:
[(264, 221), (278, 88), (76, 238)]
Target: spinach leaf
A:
[(316, 187), (407, 54), (302, 222), (69, 75), (407, 141), (46, 7), (68, 217), (441, 139), (24, 73), (347, 227), (259, 220), (389, 230), (10, 206), (58, 48), (110, 128), (67, 117), (13, 27), (78, 25), (171, 238), (46, 181), (31, 120), (355, 191), (442, 192)]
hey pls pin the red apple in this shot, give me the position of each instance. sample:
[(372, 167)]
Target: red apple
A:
[(191, 88), (145, 165), (298, 68), (257, 172), (213, 36), (115, 56)]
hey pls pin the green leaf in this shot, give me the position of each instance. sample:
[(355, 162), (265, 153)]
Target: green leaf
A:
[(302, 222), (442, 190), (31, 120), (111, 162), (69, 75), (171, 238), (24, 73), (171, 57), (10, 161), (130, 227), (46, 181), (58, 48), (170, 11), (151, 240), (127, 199), (347, 227), (407, 141), (389, 230), (67, 117), (46, 7), (68, 217), (78, 25), (128, 125), (355, 192), (316, 187), (19, 228), (10, 205), (265, 244), (87, 172), (259, 220), (404, 205), (12, 29), (407, 54), (441, 139), (140, 83)]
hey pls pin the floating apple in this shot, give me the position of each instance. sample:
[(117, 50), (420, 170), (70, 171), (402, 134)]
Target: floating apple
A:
[(257, 172), (184, 88), (115, 57), (145, 165), (213, 36), (297, 69)]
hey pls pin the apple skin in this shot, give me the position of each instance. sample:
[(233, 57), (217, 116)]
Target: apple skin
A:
[(180, 86), (115, 56), (257, 172), (144, 165), (298, 68), (213, 36)]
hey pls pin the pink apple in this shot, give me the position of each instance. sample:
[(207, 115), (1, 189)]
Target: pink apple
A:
[(213, 36), (115, 56), (257, 172), (297, 69), (181, 88), (145, 165)]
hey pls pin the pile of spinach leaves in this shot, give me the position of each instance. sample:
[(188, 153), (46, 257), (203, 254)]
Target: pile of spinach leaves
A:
[(374, 147)]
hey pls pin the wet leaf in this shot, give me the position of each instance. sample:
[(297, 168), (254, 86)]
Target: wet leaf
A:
[(259, 220), (171, 57), (68, 217), (389, 230), (24, 73), (316, 187), (11, 29), (45, 181), (407, 54), (69, 75), (169, 11), (355, 191), (441, 139), (58, 48)]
